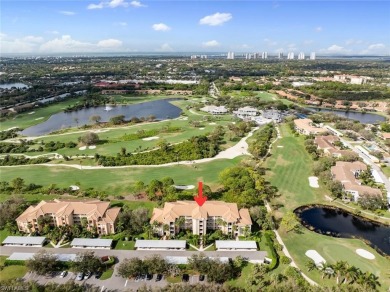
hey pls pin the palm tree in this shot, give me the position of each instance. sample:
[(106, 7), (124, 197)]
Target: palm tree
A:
[(326, 270), (310, 265), (351, 274), (340, 267), (368, 281), (180, 222)]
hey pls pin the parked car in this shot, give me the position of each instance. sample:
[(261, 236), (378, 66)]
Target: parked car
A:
[(138, 278), (87, 275), (98, 275), (63, 274), (149, 277), (185, 278), (158, 277), (201, 277), (80, 276)]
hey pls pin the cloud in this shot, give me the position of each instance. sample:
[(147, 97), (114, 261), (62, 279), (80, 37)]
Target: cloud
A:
[(308, 42), (335, 49), (165, 48), (67, 13), (161, 27), (211, 44), (66, 44), (375, 49), (33, 39), (11, 45), (216, 19), (110, 43), (318, 29), (245, 46), (96, 6), (115, 4), (137, 4)]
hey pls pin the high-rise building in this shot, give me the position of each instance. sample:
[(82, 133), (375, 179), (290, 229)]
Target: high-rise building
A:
[(301, 56), (248, 56), (230, 55), (312, 56), (280, 55), (290, 56), (264, 55)]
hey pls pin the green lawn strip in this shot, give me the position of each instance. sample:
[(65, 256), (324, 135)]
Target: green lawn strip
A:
[(3, 234), (126, 245), (117, 181), (107, 274), (12, 272), (173, 279), (25, 120)]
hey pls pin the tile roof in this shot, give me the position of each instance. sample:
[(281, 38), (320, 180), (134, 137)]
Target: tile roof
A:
[(228, 211)]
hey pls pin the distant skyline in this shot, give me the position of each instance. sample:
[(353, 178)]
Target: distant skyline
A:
[(326, 27)]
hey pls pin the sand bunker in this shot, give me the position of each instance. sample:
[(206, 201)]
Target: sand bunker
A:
[(83, 148), (31, 113), (365, 254), (280, 146), (39, 118), (316, 257), (151, 138), (74, 188), (92, 147), (212, 123), (201, 128), (189, 187), (313, 182)]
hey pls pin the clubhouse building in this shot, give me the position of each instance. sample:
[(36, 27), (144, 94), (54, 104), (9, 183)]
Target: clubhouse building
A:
[(94, 213), (212, 215)]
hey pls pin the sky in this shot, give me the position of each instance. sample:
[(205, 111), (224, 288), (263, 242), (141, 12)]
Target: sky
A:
[(85, 26)]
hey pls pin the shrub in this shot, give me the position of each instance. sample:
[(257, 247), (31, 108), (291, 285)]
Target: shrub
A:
[(285, 260)]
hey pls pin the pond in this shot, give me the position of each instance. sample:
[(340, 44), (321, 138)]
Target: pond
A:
[(364, 118), (10, 85), (161, 109), (340, 223)]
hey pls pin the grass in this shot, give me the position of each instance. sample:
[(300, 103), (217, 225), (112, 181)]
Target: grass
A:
[(173, 279), (264, 96), (386, 170), (11, 272), (107, 274), (3, 234), (117, 181), (126, 245), (288, 170), (25, 120)]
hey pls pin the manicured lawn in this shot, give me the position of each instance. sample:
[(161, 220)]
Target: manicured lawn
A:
[(25, 120), (3, 234), (288, 170), (117, 181), (11, 272), (127, 245), (386, 171), (107, 274)]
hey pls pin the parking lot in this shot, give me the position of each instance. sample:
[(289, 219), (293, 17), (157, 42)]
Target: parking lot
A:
[(115, 282)]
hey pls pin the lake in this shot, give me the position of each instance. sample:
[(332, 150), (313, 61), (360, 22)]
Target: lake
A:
[(340, 223), (161, 109), (10, 85), (364, 118)]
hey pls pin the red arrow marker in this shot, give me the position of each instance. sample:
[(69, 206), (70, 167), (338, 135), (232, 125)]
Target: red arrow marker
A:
[(200, 199)]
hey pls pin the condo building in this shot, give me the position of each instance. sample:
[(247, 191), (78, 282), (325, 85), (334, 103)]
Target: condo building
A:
[(212, 215), (95, 213)]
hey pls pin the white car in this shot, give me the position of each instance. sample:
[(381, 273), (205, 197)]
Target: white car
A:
[(63, 274), (79, 276)]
